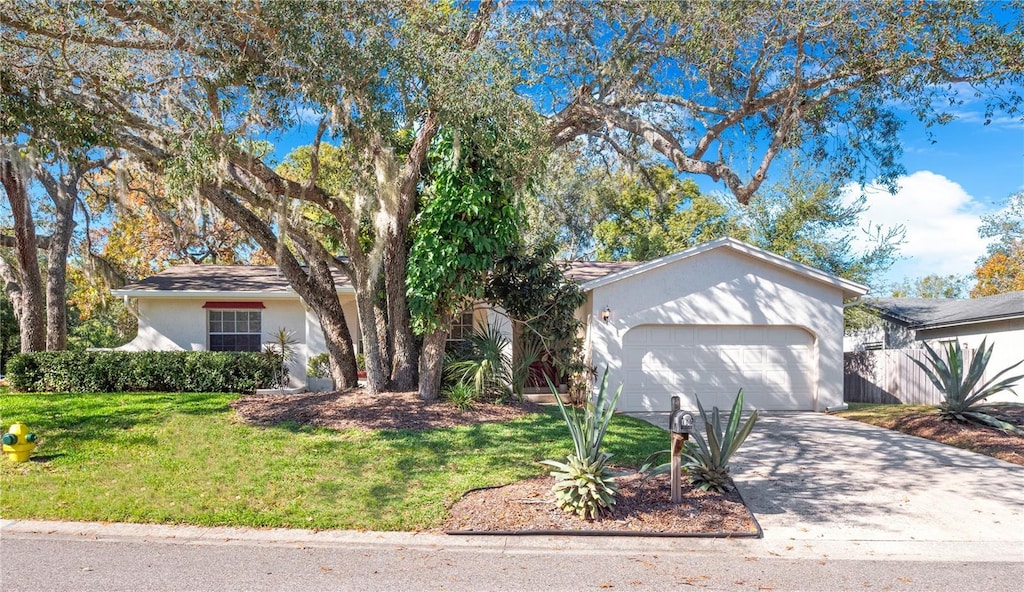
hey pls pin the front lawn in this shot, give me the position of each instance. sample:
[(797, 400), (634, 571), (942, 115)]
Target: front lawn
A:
[(186, 458), (923, 421)]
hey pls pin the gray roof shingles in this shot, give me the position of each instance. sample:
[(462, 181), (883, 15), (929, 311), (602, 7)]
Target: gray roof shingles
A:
[(267, 278), (922, 313), (218, 278)]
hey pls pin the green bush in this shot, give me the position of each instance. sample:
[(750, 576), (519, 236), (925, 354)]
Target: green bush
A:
[(460, 394), (118, 371)]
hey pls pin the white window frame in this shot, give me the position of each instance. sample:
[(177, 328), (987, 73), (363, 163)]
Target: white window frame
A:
[(248, 330)]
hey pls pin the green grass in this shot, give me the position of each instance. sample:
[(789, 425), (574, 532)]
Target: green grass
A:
[(884, 415), (185, 458)]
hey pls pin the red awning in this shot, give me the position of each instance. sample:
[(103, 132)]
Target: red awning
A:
[(213, 304)]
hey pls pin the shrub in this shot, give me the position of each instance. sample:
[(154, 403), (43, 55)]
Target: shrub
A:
[(707, 460), (486, 363), (962, 398), (118, 371), (319, 366), (460, 394), (584, 485)]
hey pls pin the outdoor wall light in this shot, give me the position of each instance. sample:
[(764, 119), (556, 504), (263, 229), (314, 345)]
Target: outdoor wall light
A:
[(606, 314)]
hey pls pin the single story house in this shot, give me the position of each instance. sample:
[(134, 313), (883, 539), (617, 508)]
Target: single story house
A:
[(906, 322), (706, 321)]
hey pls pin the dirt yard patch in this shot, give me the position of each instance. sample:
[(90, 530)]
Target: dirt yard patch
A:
[(523, 506)]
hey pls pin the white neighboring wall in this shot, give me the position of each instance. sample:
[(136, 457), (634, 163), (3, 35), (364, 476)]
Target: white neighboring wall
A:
[(1007, 337)]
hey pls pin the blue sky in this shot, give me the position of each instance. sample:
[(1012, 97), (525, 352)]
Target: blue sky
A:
[(965, 170), (969, 171)]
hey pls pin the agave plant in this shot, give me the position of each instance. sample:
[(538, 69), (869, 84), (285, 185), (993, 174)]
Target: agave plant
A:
[(962, 398), (707, 460), (584, 484)]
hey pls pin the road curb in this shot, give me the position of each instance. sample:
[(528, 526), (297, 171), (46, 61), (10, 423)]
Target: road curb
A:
[(775, 548)]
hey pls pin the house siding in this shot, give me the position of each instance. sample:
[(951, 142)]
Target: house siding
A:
[(179, 323), (726, 288)]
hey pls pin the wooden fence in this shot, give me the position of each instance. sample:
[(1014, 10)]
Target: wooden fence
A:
[(889, 376)]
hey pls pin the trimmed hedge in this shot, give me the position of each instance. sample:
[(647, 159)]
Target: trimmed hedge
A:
[(120, 371)]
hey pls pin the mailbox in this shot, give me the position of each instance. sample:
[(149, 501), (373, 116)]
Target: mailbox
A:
[(680, 422)]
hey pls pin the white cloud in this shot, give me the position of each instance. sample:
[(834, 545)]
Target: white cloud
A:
[(941, 220)]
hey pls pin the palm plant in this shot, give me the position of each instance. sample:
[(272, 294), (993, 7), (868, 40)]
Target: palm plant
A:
[(282, 346), (584, 484), (707, 460), (488, 363), (962, 398)]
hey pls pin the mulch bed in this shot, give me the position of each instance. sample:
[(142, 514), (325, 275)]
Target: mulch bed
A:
[(528, 506), (984, 440), (355, 409), (525, 506)]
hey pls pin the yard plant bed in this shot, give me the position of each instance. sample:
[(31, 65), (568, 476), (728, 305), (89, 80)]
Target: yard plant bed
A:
[(528, 507), (923, 421), (355, 409)]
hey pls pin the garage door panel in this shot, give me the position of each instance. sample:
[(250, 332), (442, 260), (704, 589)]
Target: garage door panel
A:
[(771, 364)]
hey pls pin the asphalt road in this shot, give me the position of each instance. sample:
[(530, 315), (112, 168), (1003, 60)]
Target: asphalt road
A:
[(85, 561)]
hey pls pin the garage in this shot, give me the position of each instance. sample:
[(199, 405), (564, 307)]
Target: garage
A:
[(774, 365), (710, 320)]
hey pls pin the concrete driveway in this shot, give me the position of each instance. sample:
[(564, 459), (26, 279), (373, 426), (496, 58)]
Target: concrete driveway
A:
[(811, 476)]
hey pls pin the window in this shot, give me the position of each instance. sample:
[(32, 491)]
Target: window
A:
[(462, 326), (235, 330)]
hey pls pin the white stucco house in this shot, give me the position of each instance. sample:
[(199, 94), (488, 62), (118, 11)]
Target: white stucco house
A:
[(706, 321)]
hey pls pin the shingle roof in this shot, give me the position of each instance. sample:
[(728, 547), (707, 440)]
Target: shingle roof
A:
[(585, 271), (218, 278), (925, 313), (267, 278)]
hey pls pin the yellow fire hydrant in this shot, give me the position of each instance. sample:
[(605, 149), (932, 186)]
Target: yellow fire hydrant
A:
[(18, 442)]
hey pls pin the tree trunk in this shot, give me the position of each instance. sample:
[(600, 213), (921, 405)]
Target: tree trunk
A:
[(380, 316), (314, 285), (340, 355), (432, 364), (376, 371), (403, 371), (57, 270), (31, 322), (322, 296)]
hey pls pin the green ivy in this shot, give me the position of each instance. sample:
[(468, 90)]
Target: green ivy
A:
[(468, 218)]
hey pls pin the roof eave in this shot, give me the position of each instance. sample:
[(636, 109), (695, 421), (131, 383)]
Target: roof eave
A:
[(269, 294), (850, 289), (958, 323)]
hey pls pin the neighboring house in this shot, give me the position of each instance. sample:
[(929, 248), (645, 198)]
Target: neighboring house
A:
[(706, 321), (908, 321)]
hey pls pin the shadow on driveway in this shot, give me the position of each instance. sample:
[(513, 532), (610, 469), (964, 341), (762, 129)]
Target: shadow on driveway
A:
[(816, 476)]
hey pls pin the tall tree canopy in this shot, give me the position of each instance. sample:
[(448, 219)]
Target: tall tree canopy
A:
[(1002, 270), (653, 214), (188, 89), (722, 88), (715, 89), (931, 286)]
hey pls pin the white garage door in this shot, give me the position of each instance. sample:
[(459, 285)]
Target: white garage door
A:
[(772, 364)]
